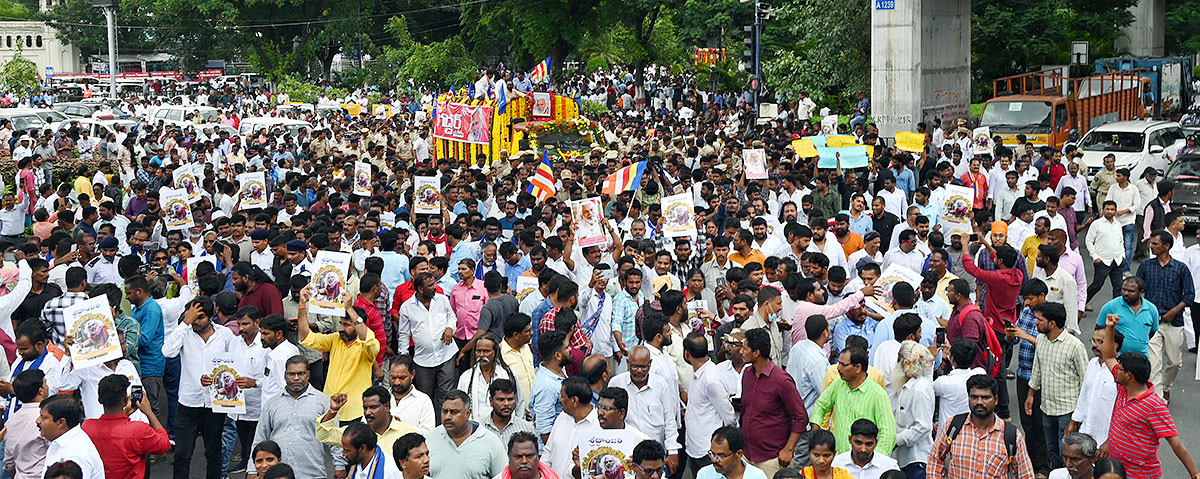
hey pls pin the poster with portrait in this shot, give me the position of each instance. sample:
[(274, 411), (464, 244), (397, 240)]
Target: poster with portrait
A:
[(186, 178), (253, 193), (224, 394), (981, 140), (882, 301), (605, 453), (678, 219), (954, 210), (426, 195), (526, 285), (94, 334), (387, 221), (362, 178), (588, 216), (829, 125), (756, 163), (328, 283), (542, 104), (177, 210), (193, 263)]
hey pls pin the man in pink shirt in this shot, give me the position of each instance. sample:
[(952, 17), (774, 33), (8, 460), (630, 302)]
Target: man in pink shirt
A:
[(24, 446), (813, 302), (467, 299)]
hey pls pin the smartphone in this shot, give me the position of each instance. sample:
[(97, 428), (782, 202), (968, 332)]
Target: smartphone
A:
[(137, 394), (974, 237), (606, 272), (941, 336), (1007, 323)]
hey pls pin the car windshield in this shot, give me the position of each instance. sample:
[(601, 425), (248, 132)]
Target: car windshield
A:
[(26, 122), (1017, 113), (1115, 141), (1187, 167), (51, 115)]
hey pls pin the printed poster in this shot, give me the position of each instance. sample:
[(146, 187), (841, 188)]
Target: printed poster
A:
[(588, 216), (542, 104), (883, 287), (192, 264), (329, 282), (465, 123), (187, 178), (678, 217), (177, 210), (526, 285), (425, 195), (90, 324), (756, 163), (362, 178), (981, 140), (387, 220), (829, 125), (954, 210), (605, 453), (254, 190), (224, 394)]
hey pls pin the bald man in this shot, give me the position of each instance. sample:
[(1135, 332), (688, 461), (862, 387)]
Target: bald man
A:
[(595, 369), (653, 402)]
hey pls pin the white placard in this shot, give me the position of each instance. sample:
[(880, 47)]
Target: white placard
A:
[(426, 195), (187, 178), (225, 396), (883, 287), (981, 140), (526, 285), (605, 453), (94, 334), (678, 215), (362, 178), (328, 282), (177, 209), (756, 163), (387, 221), (192, 264), (829, 125), (588, 216), (254, 190), (954, 210)]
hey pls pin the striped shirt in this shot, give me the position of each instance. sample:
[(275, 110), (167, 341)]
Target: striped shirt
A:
[(1059, 366), (868, 401), (1028, 323), (624, 310), (1137, 426)]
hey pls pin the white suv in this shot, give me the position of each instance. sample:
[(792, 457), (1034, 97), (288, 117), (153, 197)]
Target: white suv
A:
[(1137, 144)]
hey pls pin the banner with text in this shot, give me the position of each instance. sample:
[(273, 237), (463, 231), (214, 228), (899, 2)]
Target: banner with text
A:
[(465, 123)]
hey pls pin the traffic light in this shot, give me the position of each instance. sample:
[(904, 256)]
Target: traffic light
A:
[(747, 63)]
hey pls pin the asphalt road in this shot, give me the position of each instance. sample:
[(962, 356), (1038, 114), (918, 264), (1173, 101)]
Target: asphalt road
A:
[(1184, 411)]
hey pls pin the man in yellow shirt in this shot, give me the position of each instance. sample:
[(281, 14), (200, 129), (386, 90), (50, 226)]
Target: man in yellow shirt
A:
[(377, 413), (83, 184), (744, 252), (352, 352)]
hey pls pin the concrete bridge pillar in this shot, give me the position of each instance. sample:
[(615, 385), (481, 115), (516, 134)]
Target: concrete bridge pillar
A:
[(920, 62), (1144, 37)]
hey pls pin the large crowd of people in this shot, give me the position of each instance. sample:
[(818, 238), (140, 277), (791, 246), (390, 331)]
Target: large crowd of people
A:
[(483, 341)]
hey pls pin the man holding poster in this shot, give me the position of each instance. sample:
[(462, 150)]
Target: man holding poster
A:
[(194, 343), (352, 352)]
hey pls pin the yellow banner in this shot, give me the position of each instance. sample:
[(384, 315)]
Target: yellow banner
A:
[(804, 148), (910, 141), (840, 141)]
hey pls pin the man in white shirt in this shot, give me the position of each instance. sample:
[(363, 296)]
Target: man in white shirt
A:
[(59, 422), (653, 403), (1093, 410), (1105, 242), (261, 255), (577, 414), (272, 332), (31, 354), (951, 389), (409, 404), (861, 460), (197, 343), (428, 321), (906, 254), (895, 199), (709, 404), (1127, 198)]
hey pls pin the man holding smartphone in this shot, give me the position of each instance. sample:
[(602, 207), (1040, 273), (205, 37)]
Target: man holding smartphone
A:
[(122, 443)]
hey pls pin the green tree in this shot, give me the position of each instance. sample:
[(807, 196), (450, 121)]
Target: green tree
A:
[(439, 63), (15, 11), (84, 26), (821, 46), (20, 75), (1183, 27)]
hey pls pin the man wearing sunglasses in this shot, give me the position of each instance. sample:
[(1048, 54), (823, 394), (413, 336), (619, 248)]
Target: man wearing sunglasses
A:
[(649, 460)]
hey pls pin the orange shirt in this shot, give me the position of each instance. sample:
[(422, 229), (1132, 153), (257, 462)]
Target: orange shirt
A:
[(755, 256), (852, 243)]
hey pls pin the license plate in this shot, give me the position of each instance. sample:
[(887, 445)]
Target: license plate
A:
[(1191, 219)]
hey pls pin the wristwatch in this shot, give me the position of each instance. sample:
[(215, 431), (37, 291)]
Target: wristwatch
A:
[(359, 320)]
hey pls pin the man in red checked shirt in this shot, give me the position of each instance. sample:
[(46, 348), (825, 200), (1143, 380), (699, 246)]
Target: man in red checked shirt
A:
[(563, 313), (122, 443), (1140, 418)]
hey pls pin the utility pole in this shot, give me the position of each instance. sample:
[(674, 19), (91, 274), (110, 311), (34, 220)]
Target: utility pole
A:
[(110, 15), (757, 84)]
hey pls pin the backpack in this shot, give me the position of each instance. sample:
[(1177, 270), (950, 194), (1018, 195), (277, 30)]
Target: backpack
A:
[(1010, 439), (994, 350)]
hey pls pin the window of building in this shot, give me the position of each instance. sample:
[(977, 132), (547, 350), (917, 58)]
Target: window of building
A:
[(39, 41)]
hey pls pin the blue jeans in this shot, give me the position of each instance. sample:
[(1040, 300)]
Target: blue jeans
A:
[(1127, 231), (228, 438), (1054, 427), (915, 470)]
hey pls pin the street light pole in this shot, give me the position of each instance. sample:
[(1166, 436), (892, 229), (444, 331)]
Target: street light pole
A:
[(110, 15), (757, 55)]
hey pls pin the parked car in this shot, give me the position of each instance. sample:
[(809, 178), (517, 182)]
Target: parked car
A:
[(1137, 145)]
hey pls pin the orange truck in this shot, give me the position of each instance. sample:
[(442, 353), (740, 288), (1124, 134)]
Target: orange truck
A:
[(1046, 107)]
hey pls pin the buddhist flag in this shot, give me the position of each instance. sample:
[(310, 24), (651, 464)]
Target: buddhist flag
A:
[(541, 72), (625, 179), (541, 186), (910, 141)]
